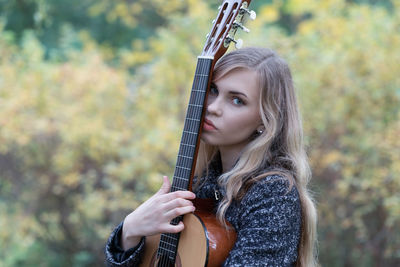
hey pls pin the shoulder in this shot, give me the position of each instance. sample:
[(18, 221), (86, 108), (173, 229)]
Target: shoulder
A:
[(271, 201), (268, 222), (270, 187)]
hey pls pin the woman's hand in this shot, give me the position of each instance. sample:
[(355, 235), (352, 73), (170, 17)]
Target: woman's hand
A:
[(155, 214)]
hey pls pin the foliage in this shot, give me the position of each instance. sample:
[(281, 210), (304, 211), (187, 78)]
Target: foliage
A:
[(354, 55), (59, 138), (349, 53), (84, 139)]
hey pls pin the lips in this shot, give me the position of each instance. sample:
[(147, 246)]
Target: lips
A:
[(208, 125)]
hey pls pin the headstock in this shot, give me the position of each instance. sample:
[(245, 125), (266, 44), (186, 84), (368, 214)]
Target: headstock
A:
[(231, 17)]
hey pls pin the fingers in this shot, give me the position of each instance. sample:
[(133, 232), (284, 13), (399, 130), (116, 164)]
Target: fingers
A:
[(177, 203), (173, 213), (165, 187), (168, 196), (174, 228), (154, 215), (177, 207), (178, 194)]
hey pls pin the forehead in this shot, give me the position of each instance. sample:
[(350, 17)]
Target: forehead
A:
[(241, 80)]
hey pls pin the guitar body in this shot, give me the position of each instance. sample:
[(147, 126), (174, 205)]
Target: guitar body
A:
[(203, 242)]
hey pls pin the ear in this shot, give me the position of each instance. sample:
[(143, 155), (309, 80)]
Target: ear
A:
[(260, 129)]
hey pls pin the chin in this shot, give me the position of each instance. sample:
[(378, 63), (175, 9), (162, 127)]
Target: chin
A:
[(208, 140)]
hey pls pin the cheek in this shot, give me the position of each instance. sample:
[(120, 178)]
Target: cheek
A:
[(245, 124)]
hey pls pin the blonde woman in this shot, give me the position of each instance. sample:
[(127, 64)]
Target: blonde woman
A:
[(252, 157)]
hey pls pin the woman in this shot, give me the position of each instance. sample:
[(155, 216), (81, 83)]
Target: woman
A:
[(252, 160)]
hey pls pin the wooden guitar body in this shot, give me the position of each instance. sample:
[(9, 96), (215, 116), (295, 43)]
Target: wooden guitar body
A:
[(203, 242)]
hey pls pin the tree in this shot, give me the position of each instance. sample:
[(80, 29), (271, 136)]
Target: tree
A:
[(85, 135)]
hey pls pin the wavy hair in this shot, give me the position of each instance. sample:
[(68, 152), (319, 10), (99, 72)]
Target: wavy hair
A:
[(280, 147)]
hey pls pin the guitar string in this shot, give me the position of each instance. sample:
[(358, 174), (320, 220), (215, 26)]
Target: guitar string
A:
[(196, 100), (193, 126)]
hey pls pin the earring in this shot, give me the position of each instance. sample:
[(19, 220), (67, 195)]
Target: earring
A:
[(259, 132)]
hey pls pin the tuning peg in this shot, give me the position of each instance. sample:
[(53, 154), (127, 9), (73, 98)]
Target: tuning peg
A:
[(240, 25), (238, 42), (252, 14)]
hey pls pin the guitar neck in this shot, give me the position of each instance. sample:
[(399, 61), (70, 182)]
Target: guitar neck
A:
[(188, 148)]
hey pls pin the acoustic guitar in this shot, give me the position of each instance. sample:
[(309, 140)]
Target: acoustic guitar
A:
[(204, 242)]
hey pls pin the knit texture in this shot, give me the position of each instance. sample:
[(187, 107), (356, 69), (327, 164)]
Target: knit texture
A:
[(267, 221)]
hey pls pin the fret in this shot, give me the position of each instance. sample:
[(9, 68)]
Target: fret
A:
[(193, 116), (184, 173), (189, 139), (186, 157), (177, 188), (184, 168), (167, 246), (185, 161), (165, 249), (180, 186), (193, 119), (195, 109), (181, 178), (196, 90), (170, 236), (187, 150), (198, 101), (190, 132), (196, 105), (167, 243), (189, 145), (191, 128), (202, 75), (199, 91), (195, 102)]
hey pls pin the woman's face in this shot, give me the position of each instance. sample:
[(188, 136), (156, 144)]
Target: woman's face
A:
[(232, 114)]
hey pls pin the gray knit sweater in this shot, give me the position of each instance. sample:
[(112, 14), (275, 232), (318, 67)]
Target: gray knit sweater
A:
[(267, 221)]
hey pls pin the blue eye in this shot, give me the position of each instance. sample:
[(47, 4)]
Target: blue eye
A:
[(237, 101)]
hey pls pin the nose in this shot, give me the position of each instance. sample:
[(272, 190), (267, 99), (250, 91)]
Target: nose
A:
[(214, 105)]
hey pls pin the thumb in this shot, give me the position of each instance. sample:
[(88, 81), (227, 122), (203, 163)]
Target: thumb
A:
[(165, 187)]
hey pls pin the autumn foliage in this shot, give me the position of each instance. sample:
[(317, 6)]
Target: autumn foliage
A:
[(92, 105)]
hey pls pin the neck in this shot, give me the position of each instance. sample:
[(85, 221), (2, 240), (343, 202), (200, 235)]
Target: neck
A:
[(229, 156)]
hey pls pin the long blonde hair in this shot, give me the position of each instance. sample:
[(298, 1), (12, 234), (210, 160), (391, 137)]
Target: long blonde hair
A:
[(279, 147)]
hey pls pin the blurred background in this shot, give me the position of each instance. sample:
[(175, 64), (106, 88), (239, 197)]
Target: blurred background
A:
[(93, 97)]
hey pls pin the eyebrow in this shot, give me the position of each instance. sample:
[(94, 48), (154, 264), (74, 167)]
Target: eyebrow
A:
[(237, 93), (232, 92)]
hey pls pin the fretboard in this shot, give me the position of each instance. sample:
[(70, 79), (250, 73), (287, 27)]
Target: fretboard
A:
[(190, 134), (188, 147)]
